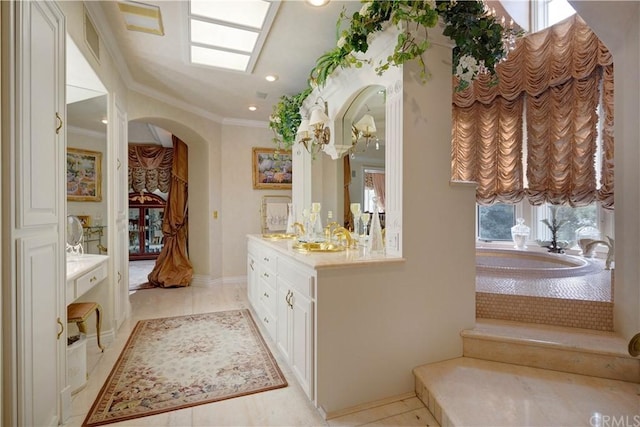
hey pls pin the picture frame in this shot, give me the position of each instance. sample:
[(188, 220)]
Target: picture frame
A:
[(85, 220), (272, 168), (84, 175)]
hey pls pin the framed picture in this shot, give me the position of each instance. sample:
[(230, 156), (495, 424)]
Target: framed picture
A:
[(85, 220), (84, 177), (272, 169)]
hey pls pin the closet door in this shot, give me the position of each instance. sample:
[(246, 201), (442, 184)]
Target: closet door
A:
[(34, 244)]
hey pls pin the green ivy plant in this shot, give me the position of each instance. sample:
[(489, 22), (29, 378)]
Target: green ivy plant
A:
[(478, 38)]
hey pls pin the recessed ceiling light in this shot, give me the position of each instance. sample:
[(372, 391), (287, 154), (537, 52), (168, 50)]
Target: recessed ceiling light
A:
[(104, 121), (252, 108), (271, 78), (317, 3)]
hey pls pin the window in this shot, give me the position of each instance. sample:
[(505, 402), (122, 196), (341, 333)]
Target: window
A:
[(495, 221), (545, 13), (370, 192), (573, 219)]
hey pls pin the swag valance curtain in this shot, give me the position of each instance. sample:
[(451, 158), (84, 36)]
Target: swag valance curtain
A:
[(173, 267), (150, 168), (555, 78)]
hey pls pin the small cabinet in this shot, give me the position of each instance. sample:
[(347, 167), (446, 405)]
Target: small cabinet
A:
[(295, 321), (146, 213)]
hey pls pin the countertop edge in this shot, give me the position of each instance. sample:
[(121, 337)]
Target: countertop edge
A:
[(89, 261), (320, 261)]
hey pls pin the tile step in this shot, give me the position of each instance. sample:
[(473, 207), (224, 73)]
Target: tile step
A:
[(579, 351), (473, 392)]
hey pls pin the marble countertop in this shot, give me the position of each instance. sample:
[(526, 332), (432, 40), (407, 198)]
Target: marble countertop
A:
[(320, 260), (77, 265)]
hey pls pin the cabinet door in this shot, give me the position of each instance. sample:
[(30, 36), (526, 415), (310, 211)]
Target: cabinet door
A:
[(153, 230), (301, 356), (283, 329), (33, 170), (135, 231), (251, 280)]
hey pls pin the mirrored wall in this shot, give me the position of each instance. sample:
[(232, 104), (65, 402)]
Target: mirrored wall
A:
[(86, 126)]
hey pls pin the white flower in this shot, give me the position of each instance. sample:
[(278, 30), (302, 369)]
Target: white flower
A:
[(432, 4), (467, 68), (341, 41), (274, 119)]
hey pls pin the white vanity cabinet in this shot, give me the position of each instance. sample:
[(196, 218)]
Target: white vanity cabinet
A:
[(281, 294), (295, 320), (83, 273), (261, 284), (332, 312)]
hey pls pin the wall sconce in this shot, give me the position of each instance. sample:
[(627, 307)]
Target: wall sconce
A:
[(364, 128), (312, 132)]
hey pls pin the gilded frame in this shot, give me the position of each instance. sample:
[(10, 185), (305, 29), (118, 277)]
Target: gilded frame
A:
[(272, 169), (84, 175)]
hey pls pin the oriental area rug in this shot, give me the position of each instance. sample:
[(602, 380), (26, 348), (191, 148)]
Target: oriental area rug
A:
[(178, 362)]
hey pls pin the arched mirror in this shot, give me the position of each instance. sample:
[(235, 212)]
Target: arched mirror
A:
[(364, 125)]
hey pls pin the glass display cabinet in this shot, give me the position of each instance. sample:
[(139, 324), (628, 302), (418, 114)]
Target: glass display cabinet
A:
[(146, 212)]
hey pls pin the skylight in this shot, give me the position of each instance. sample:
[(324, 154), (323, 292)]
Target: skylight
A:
[(229, 34)]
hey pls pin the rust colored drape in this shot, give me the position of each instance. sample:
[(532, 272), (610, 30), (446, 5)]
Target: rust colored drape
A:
[(555, 75), (173, 267), (149, 168), (348, 217)]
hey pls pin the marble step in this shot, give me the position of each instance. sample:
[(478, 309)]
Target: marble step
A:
[(472, 392), (580, 351)]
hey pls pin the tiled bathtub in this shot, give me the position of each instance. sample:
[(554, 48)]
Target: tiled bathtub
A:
[(536, 287)]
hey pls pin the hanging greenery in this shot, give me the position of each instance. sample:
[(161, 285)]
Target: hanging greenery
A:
[(479, 46)]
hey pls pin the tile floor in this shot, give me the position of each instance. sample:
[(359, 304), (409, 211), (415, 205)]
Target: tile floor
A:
[(288, 406), (138, 272)]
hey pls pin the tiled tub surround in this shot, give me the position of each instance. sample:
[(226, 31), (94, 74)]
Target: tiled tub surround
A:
[(536, 287)]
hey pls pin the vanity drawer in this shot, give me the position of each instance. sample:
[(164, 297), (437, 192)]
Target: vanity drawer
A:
[(299, 279), (267, 275), (268, 260), (268, 297), (269, 322), (90, 279)]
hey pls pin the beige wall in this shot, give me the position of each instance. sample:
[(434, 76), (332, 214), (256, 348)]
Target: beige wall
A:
[(617, 24), (240, 214)]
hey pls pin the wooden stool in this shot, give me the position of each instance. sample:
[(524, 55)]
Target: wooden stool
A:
[(78, 313)]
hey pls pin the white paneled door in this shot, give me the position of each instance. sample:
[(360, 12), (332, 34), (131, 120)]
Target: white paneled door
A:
[(33, 204)]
